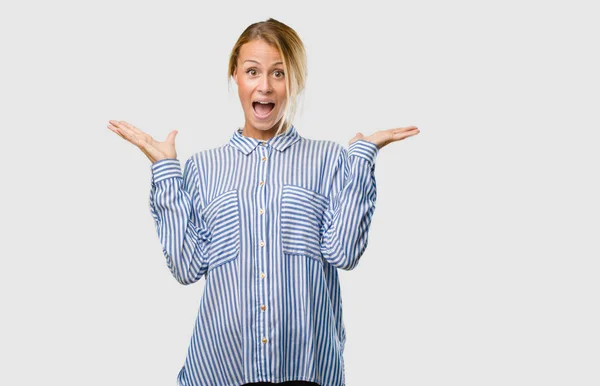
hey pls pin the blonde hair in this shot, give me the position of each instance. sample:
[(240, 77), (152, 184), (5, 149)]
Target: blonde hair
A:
[(293, 56)]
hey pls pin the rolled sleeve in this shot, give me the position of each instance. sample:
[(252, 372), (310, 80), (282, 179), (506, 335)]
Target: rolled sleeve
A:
[(364, 149), (164, 169)]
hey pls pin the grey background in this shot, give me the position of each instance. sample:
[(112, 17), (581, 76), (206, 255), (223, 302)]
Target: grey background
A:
[(482, 266)]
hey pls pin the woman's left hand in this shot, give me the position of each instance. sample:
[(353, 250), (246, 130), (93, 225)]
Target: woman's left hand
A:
[(384, 137)]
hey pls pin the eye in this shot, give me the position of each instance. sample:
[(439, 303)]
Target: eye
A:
[(249, 70), (281, 72)]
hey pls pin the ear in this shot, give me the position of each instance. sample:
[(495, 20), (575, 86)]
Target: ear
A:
[(235, 76)]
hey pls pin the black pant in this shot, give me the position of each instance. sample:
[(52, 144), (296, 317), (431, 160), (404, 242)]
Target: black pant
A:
[(287, 383)]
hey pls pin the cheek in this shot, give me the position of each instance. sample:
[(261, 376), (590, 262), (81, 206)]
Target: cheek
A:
[(281, 92), (282, 98), (244, 91)]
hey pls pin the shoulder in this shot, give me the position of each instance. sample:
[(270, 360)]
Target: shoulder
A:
[(327, 147), (198, 160), (201, 155), (328, 155)]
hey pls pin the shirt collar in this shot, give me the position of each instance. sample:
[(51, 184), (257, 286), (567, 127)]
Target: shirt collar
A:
[(280, 142)]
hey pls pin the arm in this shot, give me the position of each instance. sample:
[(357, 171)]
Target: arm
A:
[(351, 205), (174, 205)]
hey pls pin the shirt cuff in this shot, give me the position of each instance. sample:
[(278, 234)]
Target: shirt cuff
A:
[(364, 149), (165, 168)]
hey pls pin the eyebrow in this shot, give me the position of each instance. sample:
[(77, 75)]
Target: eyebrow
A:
[(250, 60)]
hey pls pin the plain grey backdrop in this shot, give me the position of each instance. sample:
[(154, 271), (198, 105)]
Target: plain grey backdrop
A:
[(482, 265)]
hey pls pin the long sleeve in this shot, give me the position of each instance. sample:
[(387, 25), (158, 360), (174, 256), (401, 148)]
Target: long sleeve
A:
[(174, 205), (344, 233)]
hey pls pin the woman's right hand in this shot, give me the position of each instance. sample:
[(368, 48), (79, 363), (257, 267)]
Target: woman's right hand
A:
[(154, 150)]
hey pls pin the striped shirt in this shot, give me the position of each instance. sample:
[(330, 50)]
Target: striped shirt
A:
[(268, 224)]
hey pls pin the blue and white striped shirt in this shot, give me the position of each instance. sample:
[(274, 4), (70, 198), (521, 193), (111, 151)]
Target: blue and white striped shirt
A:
[(268, 224)]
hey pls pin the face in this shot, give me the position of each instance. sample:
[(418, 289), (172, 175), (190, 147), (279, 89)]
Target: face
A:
[(260, 78)]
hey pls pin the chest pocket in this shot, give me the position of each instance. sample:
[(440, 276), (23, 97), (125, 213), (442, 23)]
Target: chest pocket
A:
[(222, 216), (302, 212)]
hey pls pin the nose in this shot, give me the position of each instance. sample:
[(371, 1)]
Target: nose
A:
[(265, 85)]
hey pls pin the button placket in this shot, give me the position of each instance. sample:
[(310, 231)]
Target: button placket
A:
[(263, 244)]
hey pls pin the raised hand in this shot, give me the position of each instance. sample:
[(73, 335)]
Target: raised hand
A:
[(383, 137), (154, 150)]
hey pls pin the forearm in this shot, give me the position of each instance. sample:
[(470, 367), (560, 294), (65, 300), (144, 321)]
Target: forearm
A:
[(183, 236), (347, 222)]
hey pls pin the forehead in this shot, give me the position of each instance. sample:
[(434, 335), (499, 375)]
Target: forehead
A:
[(259, 51)]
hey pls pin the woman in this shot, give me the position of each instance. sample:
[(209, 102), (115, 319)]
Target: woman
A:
[(268, 219)]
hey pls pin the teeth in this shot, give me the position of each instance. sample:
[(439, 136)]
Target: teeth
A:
[(263, 103)]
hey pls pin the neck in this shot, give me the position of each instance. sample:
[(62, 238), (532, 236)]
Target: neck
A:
[(261, 135)]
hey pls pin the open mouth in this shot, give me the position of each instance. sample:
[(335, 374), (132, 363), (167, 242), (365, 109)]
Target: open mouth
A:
[(263, 109)]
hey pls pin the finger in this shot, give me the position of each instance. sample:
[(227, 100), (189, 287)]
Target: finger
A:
[(115, 130), (129, 135), (150, 153), (120, 127), (112, 128), (404, 134), (124, 129), (131, 127), (403, 129), (128, 130), (141, 135), (171, 136), (409, 129)]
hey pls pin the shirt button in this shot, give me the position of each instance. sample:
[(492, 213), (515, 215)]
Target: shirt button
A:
[(261, 183), (264, 158), (261, 243), (264, 340), (263, 143), (263, 307), (261, 211), (263, 275)]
